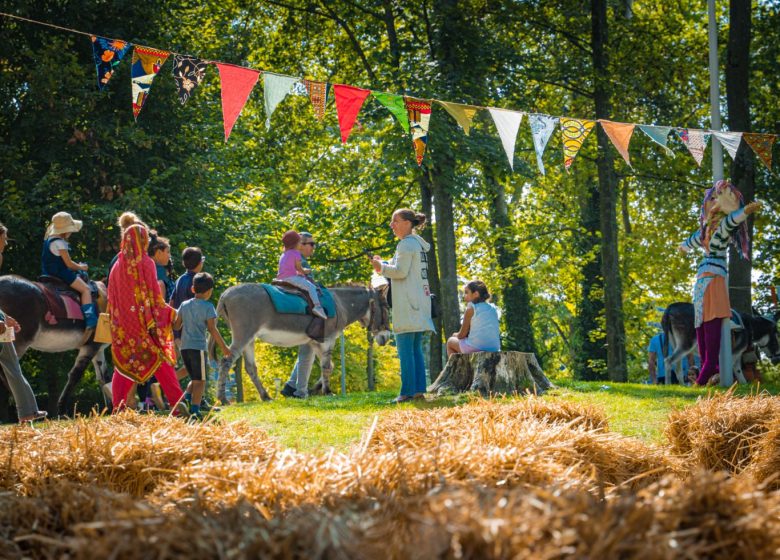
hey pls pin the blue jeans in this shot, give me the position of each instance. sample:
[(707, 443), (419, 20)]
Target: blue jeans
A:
[(410, 353)]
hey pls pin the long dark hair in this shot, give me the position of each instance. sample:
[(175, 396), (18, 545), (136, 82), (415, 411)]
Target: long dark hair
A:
[(417, 218), (478, 287)]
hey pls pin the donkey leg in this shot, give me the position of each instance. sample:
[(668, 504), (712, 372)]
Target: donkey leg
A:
[(251, 370), (101, 372), (86, 353), (326, 367)]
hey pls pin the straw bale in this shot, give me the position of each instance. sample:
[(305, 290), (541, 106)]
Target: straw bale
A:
[(127, 452), (720, 432), (765, 467)]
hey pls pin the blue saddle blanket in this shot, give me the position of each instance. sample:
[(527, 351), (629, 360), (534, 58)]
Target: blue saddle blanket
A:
[(295, 304)]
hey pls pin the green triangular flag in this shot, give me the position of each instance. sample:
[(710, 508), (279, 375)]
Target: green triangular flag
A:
[(395, 104)]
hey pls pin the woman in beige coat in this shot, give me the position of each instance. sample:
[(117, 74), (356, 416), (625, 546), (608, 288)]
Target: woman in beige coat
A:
[(408, 274)]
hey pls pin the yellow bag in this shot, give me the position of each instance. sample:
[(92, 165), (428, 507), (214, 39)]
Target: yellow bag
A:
[(103, 329)]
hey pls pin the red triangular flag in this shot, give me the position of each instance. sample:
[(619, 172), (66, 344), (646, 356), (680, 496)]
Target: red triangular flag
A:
[(349, 100), (237, 83)]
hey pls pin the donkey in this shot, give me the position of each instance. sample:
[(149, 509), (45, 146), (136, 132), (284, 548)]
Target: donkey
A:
[(249, 312), (25, 301), (760, 330)]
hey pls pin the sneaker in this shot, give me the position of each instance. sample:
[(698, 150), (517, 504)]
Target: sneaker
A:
[(288, 390), (319, 312), (401, 399)]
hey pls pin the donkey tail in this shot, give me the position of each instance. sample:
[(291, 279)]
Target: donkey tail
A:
[(221, 312)]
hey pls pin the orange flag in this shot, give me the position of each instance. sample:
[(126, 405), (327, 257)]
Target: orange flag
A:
[(620, 134), (762, 145)]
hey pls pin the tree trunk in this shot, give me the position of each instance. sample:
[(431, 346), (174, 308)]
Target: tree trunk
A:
[(518, 319), (5, 408), (743, 167), (492, 373), (436, 346), (610, 260), (445, 243)]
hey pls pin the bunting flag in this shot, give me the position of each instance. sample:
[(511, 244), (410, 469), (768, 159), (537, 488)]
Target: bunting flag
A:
[(463, 114), (762, 145), (730, 141), (507, 123), (318, 94), (419, 112), (542, 128), (696, 141), (188, 72), (108, 53), (349, 100), (574, 133), (659, 135), (146, 63), (396, 105), (237, 83), (276, 88), (620, 134)]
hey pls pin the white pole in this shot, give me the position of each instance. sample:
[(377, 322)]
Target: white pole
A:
[(717, 149), (343, 368)]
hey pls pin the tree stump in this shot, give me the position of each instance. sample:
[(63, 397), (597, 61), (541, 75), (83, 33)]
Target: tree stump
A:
[(491, 373)]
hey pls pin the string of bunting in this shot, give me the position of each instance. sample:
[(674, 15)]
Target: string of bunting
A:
[(412, 114)]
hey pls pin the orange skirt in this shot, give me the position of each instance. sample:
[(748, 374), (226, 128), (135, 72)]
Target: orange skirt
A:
[(716, 299)]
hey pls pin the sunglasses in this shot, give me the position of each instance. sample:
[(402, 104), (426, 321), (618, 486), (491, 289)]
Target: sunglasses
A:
[(312, 243)]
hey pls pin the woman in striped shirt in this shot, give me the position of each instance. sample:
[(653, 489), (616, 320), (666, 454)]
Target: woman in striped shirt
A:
[(723, 222)]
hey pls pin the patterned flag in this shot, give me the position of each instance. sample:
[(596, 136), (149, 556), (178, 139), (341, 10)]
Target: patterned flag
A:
[(276, 88), (620, 134), (695, 140), (762, 145), (574, 132), (542, 127), (146, 63), (463, 114), (108, 53), (730, 141), (507, 123), (237, 83), (419, 112), (188, 72), (318, 93), (349, 100), (659, 135), (396, 105)]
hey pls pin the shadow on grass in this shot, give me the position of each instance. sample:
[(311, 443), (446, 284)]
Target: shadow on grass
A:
[(641, 391)]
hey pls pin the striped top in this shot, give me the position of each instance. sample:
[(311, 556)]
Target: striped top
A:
[(714, 262)]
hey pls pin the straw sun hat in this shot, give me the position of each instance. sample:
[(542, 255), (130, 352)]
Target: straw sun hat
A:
[(62, 222)]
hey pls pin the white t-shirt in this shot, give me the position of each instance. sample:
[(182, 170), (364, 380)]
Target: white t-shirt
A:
[(58, 245)]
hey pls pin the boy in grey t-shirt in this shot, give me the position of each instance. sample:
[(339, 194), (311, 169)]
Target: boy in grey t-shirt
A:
[(195, 317)]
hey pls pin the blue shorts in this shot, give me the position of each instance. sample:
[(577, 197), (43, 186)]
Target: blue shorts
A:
[(68, 276)]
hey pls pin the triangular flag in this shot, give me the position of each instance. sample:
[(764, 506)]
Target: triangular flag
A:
[(463, 114), (318, 93), (108, 53), (659, 135), (396, 105), (542, 127), (146, 63), (507, 123), (349, 100), (237, 83), (574, 132), (620, 134), (188, 72), (695, 140), (276, 88), (730, 141), (762, 145), (419, 112)]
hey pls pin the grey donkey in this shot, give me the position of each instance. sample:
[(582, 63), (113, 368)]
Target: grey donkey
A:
[(248, 311)]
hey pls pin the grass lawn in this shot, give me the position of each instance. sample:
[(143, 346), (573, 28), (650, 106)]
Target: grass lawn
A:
[(322, 422)]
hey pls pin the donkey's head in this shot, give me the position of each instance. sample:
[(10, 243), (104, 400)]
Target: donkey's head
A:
[(377, 317), (772, 347)]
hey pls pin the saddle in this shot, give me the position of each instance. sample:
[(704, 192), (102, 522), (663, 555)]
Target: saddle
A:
[(289, 299), (62, 302)]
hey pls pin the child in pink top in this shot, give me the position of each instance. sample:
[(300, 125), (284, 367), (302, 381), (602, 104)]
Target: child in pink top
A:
[(291, 270)]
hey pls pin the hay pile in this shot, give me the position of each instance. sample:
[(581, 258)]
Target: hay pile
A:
[(721, 432), (528, 478)]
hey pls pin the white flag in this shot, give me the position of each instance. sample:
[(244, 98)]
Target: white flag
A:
[(730, 141), (507, 123), (542, 127), (276, 88)]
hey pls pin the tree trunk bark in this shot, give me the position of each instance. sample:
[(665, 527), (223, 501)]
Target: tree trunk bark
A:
[(445, 243), (436, 346), (518, 317), (743, 167), (610, 259), (492, 373)]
